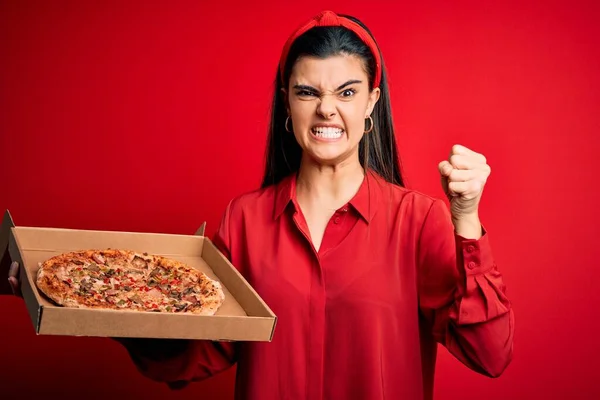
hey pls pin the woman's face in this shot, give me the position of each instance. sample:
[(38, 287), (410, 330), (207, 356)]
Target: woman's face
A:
[(328, 101)]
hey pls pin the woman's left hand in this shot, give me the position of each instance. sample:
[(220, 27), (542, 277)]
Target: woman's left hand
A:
[(463, 177)]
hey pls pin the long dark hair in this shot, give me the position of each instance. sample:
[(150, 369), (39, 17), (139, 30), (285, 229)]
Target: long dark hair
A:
[(377, 149)]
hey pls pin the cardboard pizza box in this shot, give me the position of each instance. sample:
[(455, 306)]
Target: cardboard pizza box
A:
[(244, 316)]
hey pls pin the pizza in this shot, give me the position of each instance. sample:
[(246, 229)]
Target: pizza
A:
[(129, 281)]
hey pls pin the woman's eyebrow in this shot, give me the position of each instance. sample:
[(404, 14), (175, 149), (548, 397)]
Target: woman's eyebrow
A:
[(308, 87), (350, 82), (305, 87)]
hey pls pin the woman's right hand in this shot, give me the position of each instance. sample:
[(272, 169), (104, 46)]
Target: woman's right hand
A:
[(13, 279)]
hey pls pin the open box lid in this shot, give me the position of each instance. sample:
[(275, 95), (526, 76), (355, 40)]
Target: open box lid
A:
[(247, 317)]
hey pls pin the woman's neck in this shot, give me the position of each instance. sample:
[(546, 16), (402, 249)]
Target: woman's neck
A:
[(328, 186)]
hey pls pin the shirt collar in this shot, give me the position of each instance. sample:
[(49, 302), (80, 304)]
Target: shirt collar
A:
[(365, 201)]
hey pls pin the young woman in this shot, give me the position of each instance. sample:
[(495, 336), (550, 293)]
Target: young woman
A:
[(365, 275)]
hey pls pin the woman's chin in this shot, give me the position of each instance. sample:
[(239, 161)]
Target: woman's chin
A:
[(329, 156)]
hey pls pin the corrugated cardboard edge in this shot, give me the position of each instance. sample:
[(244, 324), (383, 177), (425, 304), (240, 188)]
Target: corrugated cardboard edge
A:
[(5, 259), (249, 287), (200, 231), (31, 301), (7, 224)]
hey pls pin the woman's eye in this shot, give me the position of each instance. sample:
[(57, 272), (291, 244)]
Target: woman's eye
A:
[(305, 93), (348, 93)]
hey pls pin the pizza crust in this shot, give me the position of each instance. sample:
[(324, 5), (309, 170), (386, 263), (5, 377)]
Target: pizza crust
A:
[(128, 281)]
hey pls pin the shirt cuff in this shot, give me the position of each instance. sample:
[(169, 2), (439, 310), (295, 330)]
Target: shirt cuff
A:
[(476, 254)]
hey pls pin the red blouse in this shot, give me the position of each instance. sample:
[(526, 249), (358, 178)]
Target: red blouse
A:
[(360, 318)]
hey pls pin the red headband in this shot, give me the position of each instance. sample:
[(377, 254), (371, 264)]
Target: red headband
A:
[(329, 18)]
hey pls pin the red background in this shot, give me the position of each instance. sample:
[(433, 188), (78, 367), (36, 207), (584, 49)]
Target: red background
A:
[(143, 116)]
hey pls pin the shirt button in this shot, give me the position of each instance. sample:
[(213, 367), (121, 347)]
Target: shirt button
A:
[(470, 249), (336, 220), (472, 265)]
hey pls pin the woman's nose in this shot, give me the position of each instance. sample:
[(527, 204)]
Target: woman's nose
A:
[(326, 107)]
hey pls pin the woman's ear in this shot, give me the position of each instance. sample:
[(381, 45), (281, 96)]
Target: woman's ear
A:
[(373, 99)]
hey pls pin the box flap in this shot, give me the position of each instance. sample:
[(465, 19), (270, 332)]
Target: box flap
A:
[(32, 301), (5, 259), (200, 231)]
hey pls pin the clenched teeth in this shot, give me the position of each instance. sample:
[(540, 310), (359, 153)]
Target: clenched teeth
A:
[(328, 133)]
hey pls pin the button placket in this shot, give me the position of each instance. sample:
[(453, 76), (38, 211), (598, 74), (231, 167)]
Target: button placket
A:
[(316, 335), (339, 215)]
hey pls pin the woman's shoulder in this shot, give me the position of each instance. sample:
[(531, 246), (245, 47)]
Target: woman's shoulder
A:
[(257, 200), (397, 195), (253, 198)]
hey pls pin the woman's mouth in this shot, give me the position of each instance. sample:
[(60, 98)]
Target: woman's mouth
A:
[(327, 133)]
